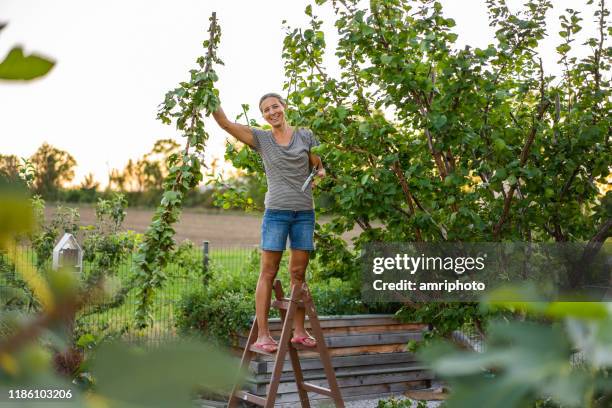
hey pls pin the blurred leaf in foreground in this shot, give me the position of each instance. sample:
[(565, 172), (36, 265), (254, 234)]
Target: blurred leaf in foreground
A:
[(567, 360), (166, 376), (522, 362), (17, 66)]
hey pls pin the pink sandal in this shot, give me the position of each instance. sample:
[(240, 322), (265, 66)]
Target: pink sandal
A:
[(305, 341), (270, 347)]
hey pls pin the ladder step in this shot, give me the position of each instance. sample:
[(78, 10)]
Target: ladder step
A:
[(260, 351), (315, 388), (245, 396), (284, 304), (304, 348)]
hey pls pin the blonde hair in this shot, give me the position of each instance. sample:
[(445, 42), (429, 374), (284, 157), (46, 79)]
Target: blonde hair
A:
[(272, 95)]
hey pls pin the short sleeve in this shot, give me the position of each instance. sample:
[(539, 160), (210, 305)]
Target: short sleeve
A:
[(257, 134), (312, 140)]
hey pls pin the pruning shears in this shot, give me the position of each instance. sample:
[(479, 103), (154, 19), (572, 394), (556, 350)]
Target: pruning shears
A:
[(309, 179)]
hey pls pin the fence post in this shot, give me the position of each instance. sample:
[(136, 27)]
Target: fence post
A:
[(205, 259)]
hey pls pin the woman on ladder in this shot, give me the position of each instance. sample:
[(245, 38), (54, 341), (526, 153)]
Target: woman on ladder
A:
[(289, 212)]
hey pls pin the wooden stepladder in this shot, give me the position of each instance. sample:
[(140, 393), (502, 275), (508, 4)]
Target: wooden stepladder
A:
[(300, 297)]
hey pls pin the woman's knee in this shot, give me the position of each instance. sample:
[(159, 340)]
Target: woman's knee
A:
[(269, 270), (298, 273)]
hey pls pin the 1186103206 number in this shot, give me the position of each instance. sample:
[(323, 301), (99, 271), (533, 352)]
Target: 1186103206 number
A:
[(39, 394)]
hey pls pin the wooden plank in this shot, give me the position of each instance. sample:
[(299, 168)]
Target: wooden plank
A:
[(438, 394), (346, 351), (379, 328), (280, 304), (346, 321), (348, 381), (365, 340), (263, 367), (317, 389), (371, 339), (325, 402), (344, 372), (260, 351), (245, 396), (319, 401), (359, 391), (284, 305)]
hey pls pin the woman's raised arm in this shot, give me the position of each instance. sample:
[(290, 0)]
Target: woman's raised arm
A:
[(240, 132)]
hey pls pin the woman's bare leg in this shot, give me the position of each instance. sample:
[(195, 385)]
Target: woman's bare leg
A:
[(270, 261), (297, 269)]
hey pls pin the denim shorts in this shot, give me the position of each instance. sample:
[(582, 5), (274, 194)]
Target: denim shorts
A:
[(277, 225)]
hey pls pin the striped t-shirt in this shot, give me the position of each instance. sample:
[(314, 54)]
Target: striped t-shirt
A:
[(287, 168)]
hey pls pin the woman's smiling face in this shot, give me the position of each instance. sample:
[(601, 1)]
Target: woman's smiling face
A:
[(273, 111)]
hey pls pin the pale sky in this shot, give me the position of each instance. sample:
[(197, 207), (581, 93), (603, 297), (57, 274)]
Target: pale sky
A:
[(117, 58)]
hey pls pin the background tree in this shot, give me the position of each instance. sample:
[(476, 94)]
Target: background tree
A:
[(148, 172), (153, 167), (89, 182), (132, 177), (53, 168), (9, 166), (88, 189), (116, 180)]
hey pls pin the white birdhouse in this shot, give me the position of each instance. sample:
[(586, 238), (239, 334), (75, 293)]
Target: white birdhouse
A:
[(68, 254)]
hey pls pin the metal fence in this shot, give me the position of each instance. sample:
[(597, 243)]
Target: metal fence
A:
[(119, 321)]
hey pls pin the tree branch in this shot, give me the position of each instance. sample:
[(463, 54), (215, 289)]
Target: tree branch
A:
[(590, 250), (397, 169), (523, 159)]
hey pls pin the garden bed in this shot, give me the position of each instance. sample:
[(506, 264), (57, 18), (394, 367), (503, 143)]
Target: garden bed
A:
[(368, 354)]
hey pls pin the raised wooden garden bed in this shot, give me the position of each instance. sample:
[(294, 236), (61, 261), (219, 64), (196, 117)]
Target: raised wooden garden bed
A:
[(368, 354)]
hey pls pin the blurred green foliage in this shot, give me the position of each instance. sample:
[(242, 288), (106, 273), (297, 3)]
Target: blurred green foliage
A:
[(37, 350), (17, 66), (559, 353)]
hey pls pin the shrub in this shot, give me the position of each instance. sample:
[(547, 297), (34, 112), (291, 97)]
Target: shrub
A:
[(226, 306), (215, 314), (336, 297), (400, 403), (187, 259)]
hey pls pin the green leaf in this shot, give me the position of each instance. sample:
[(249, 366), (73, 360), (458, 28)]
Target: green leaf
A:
[(499, 145), (439, 121), (16, 66), (563, 48), (170, 197), (386, 59)]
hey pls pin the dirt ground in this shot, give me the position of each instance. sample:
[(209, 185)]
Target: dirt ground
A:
[(222, 229)]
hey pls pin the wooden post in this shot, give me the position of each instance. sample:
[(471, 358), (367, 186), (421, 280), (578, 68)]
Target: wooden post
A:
[(205, 260)]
